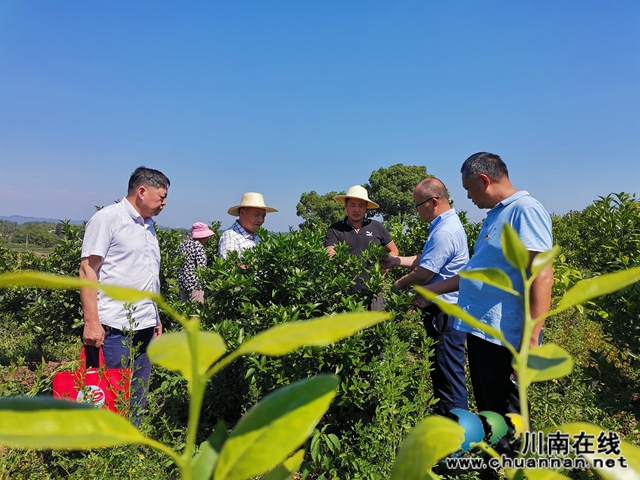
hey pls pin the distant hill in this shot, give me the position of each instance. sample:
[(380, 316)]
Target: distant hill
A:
[(20, 220)]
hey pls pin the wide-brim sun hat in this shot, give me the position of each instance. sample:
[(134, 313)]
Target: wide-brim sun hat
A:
[(201, 230), (250, 200), (357, 192)]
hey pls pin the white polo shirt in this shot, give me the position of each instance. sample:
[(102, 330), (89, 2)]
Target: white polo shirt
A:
[(130, 255)]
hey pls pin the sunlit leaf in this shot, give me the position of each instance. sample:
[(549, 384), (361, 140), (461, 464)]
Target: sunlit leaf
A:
[(430, 441), (543, 474), (543, 259), (491, 276), (513, 249), (275, 427), (287, 337), (286, 468), (614, 470), (48, 423), (28, 278), (546, 363), (172, 351), (591, 288), (455, 311), (207, 458)]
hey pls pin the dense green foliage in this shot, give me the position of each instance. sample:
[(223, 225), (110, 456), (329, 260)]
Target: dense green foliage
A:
[(384, 391)]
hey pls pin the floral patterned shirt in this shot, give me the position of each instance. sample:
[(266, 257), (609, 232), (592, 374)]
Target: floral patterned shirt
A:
[(194, 257)]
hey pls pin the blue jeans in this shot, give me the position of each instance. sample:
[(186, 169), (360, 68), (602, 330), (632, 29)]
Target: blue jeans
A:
[(116, 349), (447, 376)]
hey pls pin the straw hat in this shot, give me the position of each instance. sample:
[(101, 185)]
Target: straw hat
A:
[(357, 192), (200, 230), (249, 200)]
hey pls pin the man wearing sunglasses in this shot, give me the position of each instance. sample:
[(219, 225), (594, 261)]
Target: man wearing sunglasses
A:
[(444, 254)]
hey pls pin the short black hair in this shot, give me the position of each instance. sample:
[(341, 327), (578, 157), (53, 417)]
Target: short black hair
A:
[(483, 162), (148, 177)]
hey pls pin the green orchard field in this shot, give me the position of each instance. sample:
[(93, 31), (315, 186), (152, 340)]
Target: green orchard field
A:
[(384, 388)]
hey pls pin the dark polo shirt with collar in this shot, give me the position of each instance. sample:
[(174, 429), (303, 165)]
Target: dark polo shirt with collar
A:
[(371, 231)]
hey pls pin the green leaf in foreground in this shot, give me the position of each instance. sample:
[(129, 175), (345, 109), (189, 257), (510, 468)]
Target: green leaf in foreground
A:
[(172, 351), (615, 471), (275, 427), (430, 441), (286, 468), (287, 337), (543, 259), (207, 458), (47, 423), (546, 363), (594, 287), (491, 276), (28, 278), (513, 249)]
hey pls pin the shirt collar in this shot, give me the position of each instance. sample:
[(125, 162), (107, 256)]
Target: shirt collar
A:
[(131, 211), (442, 216), (238, 229), (365, 221), (512, 198)]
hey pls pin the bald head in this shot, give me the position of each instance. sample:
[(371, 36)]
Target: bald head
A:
[(432, 187)]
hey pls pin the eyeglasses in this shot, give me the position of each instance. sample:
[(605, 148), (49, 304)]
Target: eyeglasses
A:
[(416, 205)]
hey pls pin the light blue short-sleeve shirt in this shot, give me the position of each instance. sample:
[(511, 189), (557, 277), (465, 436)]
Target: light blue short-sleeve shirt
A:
[(491, 305), (445, 251)]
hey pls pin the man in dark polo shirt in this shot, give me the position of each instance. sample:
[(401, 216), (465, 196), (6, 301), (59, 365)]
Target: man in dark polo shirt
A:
[(357, 232)]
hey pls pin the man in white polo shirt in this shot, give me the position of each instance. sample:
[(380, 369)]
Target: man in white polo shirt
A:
[(120, 248)]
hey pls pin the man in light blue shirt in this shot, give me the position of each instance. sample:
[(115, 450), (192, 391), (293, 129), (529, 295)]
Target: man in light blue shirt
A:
[(444, 254), (486, 179)]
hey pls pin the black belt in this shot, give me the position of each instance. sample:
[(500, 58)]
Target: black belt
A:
[(115, 331)]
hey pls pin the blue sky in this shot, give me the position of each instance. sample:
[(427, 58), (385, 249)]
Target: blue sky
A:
[(285, 97)]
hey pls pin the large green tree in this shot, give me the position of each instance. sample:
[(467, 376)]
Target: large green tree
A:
[(319, 209), (391, 189)]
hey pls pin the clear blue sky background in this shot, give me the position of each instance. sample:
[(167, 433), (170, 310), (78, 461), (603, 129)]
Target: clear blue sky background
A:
[(285, 97)]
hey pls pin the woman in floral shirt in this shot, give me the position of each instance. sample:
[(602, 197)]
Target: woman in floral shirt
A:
[(194, 257)]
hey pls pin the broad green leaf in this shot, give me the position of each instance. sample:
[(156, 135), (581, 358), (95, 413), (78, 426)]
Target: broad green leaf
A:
[(28, 278), (275, 427), (491, 276), (287, 337), (48, 423), (616, 471), (286, 468), (543, 474), (594, 287), (455, 311), (172, 351), (513, 249), (543, 259), (546, 363), (430, 441), (205, 461)]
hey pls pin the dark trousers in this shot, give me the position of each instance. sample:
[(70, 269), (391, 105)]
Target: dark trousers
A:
[(447, 376), (494, 388), (116, 349)]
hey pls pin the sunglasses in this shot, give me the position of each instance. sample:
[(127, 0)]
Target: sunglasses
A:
[(416, 205)]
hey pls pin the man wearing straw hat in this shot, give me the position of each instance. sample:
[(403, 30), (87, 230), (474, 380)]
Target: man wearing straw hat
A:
[(358, 232), (251, 213)]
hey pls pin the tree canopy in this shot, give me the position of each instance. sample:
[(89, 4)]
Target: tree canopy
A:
[(391, 188), (315, 208)]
